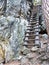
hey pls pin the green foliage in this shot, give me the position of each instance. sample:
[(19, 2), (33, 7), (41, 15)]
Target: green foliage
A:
[(37, 2)]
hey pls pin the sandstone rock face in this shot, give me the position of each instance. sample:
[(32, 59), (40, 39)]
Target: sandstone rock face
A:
[(45, 7), (6, 52)]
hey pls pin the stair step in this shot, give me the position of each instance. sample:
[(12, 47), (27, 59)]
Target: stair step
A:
[(37, 22), (28, 44), (32, 31), (27, 40), (31, 35), (32, 28), (31, 45), (29, 31), (32, 19), (36, 27), (31, 25)]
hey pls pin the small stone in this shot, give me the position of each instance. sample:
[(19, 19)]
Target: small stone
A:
[(45, 63), (19, 58), (24, 50), (31, 55), (44, 58), (34, 49), (47, 55), (41, 50), (45, 36), (10, 18), (43, 45), (25, 61)]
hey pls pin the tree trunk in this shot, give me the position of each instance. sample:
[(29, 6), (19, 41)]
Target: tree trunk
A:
[(3, 5)]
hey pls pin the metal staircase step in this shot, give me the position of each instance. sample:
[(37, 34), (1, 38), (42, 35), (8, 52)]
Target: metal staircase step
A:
[(27, 40), (31, 35), (28, 44), (32, 28), (29, 31), (32, 25), (32, 31)]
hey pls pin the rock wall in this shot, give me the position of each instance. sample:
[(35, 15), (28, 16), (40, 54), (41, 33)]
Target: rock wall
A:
[(12, 30), (45, 7)]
